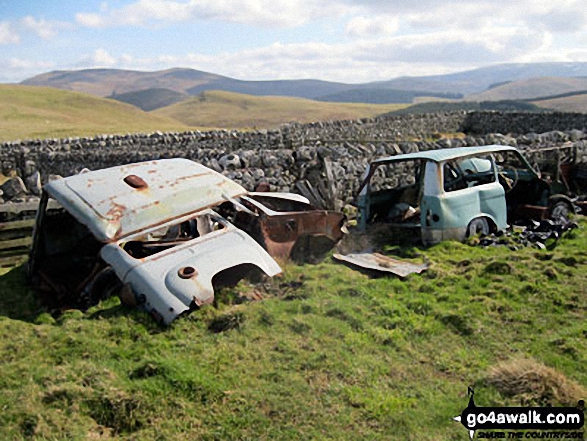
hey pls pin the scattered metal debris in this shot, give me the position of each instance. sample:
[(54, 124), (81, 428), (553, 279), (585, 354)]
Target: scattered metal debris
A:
[(541, 235), (380, 262)]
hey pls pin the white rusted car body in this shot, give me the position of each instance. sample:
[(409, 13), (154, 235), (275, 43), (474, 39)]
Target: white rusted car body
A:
[(145, 231)]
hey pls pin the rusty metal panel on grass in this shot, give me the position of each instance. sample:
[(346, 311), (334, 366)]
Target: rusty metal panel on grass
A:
[(379, 262)]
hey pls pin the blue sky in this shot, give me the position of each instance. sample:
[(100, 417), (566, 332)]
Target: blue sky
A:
[(338, 40)]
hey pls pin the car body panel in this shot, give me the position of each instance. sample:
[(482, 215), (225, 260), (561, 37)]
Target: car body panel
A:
[(113, 208), (287, 224), (382, 263), (443, 155), (165, 291), (154, 233)]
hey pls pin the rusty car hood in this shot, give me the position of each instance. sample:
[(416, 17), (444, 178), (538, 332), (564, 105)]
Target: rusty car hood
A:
[(122, 200)]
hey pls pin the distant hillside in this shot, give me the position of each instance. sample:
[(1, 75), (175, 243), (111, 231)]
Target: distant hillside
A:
[(383, 96), (108, 82), (41, 112), (531, 88), (231, 110), (447, 106), (292, 88), (478, 80), (150, 99), (116, 82), (575, 102)]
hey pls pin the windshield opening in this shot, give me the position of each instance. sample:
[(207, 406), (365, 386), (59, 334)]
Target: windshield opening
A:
[(173, 235)]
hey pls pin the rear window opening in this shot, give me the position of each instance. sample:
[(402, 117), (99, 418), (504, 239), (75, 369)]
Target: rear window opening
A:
[(173, 235), (396, 191)]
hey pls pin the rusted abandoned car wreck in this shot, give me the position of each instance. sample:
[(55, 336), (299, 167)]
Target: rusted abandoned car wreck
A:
[(160, 234), (455, 193)]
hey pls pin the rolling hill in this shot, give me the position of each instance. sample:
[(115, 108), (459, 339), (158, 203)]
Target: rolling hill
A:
[(531, 88), (310, 89), (107, 82), (41, 112), (150, 99), (576, 102), (484, 78), (383, 96), (455, 106), (238, 111), (114, 82)]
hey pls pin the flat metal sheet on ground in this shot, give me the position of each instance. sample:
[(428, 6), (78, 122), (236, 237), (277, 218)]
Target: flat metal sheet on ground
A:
[(379, 262)]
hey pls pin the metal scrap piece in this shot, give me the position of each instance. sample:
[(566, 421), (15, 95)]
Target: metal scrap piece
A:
[(379, 262)]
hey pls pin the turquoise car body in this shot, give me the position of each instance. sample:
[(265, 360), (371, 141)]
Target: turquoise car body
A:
[(456, 192)]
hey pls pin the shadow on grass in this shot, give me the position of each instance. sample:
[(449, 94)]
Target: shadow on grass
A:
[(18, 300)]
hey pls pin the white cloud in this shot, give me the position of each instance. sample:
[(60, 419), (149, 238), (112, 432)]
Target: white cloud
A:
[(98, 58), (361, 26), (91, 20), (561, 16), (366, 17), (262, 13), (28, 65), (7, 34), (46, 29), (17, 69), (484, 46), (42, 28), (380, 39), (356, 62)]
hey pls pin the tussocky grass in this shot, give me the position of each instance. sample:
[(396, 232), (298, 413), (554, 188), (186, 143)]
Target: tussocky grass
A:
[(329, 353)]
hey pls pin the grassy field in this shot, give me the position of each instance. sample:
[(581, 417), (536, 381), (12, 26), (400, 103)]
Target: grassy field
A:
[(329, 353), (30, 112), (42, 112), (238, 111), (575, 103), (526, 89)]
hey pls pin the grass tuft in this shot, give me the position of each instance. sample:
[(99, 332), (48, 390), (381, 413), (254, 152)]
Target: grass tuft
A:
[(534, 384)]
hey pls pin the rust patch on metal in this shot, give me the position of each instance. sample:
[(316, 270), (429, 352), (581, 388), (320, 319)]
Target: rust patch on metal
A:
[(135, 181), (281, 232), (116, 212)]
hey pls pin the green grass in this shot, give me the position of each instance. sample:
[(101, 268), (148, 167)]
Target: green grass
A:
[(30, 112), (330, 353), (238, 111)]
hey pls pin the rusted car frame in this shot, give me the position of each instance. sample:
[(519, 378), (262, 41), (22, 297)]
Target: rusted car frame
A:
[(287, 225), (151, 232), (454, 193)]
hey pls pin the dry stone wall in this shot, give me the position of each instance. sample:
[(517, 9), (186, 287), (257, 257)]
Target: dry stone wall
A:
[(293, 152)]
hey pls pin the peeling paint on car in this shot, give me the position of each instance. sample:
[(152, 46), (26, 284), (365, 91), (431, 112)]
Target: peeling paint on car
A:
[(457, 192)]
